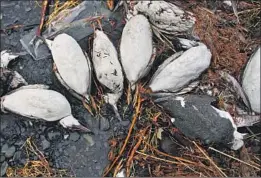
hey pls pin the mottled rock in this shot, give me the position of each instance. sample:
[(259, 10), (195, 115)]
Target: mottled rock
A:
[(251, 81)]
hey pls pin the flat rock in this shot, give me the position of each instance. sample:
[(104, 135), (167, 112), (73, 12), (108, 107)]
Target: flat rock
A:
[(45, 144), (251, 81), (4, 166), (104, 124), (2, 158), (10, 152)]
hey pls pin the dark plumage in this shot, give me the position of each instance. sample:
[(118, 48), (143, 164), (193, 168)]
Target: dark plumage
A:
[(195, 117)]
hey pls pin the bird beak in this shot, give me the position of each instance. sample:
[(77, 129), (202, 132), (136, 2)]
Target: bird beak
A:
[(81, 128)]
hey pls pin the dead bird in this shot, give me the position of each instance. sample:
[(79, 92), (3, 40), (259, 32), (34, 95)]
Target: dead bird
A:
[(167, 19), (38, 102), (196, 118), (72, 66), (180, 69), (136, 49), (9, 79), (108, 68)]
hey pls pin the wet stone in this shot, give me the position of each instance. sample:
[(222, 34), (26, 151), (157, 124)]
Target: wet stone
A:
[(4, 148), (17, 6), (4, 166), (28, 9), (17, 156), (53, 135), (2, 158), (74, 136), (104, 124), (125, 123), (19, 143), (45, 144)]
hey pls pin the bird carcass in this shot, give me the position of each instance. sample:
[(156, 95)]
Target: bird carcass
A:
[(71, 65), (108, 68), (195, 117), (37, 102), (180, 69), (136, 49)]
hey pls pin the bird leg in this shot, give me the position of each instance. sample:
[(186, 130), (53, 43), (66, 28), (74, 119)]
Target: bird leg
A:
[(87, 107), (129, 98), (94, 105)]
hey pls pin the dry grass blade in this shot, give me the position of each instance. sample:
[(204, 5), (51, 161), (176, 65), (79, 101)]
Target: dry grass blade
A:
[(60, 6), (34, 168), (160, 159), (44, 7), (135, 148), (170, 156), (134, 119), (210, 160), (257, 168)]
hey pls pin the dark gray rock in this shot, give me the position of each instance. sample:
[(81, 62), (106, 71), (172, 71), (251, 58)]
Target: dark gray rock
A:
[(45, 144), (4, 167), (104, 124), (10, 152), (28, 9), (53, 135), (2, 158), (4, 148), (74, 136), (125, 123), (17, 156)]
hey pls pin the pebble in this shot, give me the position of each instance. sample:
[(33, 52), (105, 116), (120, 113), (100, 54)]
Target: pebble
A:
[(74, 136), (10, 152), (17, 6), (4, 167), (19, 143), (125, 123), (2, 158), (17, 156), (53, 135), (89, 139), (45, 144), (28, 9), (104, 124), (4, 148)]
